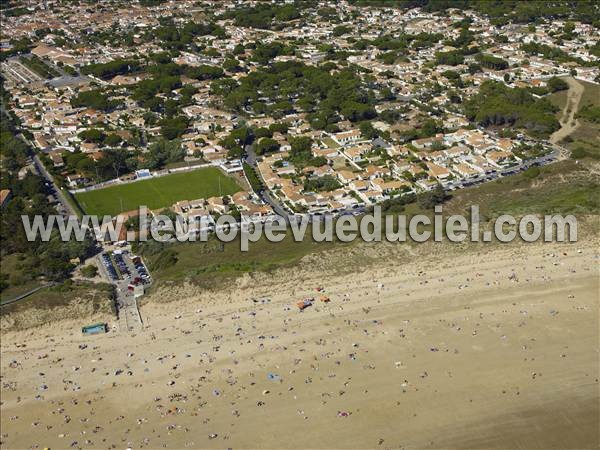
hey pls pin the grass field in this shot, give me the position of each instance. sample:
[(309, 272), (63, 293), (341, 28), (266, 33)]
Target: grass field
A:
[(591, 94), (211, 261), (559, 99), (588, 133), (157, 192)]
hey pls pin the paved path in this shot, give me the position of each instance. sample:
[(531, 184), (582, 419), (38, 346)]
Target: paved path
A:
[(568, 123), (130, 319), (27, 294)]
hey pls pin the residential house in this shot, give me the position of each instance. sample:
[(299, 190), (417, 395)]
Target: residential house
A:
[(499, 157), (428, 142), (346, 176), (347, 137), (465, 171), (437, 171), (356, 153), (76, 180)]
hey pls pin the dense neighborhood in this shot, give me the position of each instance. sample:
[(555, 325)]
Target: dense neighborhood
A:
[(255, 108), (169, 87)]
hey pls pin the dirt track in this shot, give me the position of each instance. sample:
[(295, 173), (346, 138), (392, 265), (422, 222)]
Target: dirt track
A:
[(568, 123)]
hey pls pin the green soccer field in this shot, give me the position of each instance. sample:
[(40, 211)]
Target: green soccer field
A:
[(157, 193)]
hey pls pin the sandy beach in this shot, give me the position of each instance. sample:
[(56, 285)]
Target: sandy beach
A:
[(465, 351)]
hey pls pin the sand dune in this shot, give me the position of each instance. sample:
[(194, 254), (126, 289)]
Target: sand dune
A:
[(446, 352)]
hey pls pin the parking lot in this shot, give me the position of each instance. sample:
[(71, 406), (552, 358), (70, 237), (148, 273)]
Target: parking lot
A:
[(109, 268), (121, 265), (139, 270), (128, 273)]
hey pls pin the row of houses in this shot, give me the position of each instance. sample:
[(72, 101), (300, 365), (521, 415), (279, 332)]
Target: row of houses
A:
[(369, 172)]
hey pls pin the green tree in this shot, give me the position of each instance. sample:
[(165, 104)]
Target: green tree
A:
[(557, 84), (112, 140), (174, 127), (266, 145), (429, 199), (94, 99), (164, 152), (92, 135)]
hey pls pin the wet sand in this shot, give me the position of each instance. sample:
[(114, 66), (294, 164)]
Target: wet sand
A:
[(458, 353)]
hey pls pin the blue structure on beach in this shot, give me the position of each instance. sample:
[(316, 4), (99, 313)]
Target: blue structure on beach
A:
[(96, 328)]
